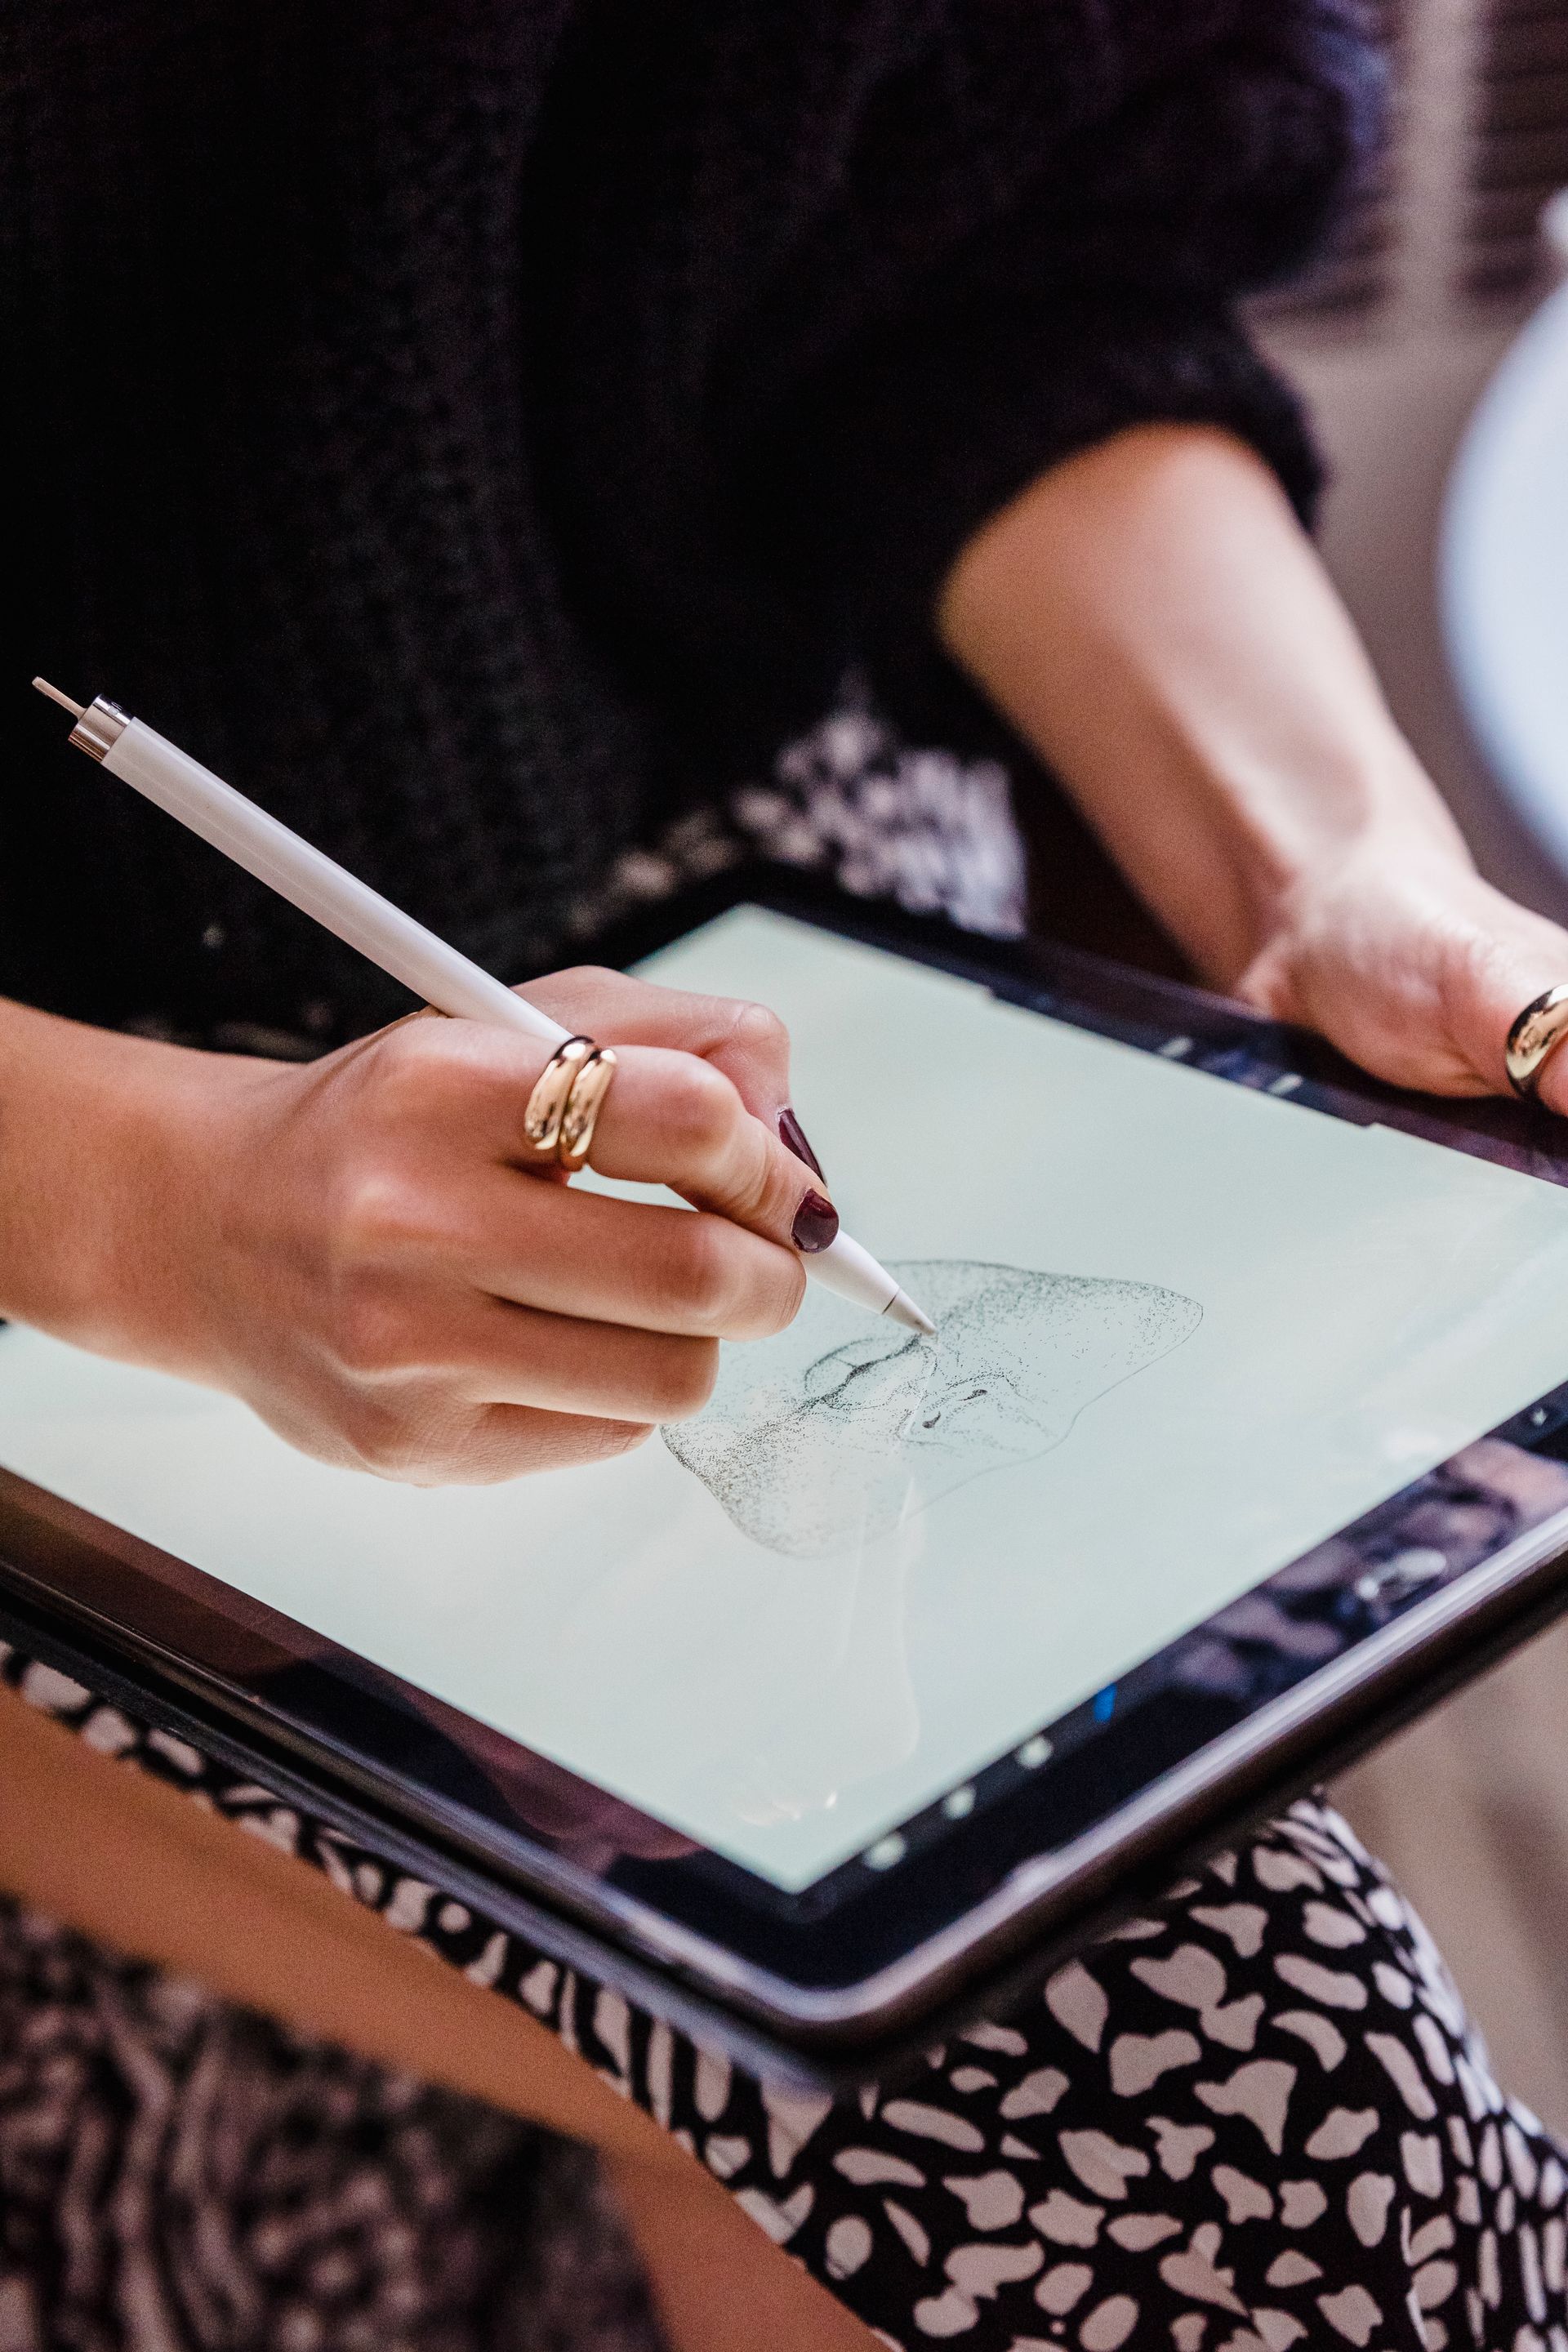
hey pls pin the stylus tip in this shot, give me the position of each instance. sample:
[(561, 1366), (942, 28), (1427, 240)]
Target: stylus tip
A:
[(902, 1309)]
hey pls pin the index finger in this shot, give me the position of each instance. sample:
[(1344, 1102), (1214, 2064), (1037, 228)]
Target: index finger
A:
[(747, 1042), (672, 1119)]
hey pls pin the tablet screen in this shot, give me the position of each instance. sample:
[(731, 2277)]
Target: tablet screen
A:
[(1187, 1331)]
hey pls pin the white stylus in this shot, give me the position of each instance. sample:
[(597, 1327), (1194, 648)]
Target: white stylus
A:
[(436, 972)]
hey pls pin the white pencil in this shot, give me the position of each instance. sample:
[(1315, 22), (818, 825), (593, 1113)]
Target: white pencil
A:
[(436, 972)]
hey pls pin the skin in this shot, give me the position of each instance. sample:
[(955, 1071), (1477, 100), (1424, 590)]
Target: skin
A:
[(364, 1248), (1152, 618), (149, 1872), (353, 1248)]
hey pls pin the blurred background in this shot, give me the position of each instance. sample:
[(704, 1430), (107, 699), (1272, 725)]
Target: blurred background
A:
[(1394, 336), (1455, 246)]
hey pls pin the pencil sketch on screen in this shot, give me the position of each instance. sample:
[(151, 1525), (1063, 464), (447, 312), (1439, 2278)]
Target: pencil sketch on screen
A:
[(840, 1430)]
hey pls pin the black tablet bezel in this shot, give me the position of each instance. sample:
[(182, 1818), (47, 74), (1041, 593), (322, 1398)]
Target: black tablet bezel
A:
[(1214, 1726)]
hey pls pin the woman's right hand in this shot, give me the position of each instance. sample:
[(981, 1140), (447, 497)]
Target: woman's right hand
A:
[(363, 1248)]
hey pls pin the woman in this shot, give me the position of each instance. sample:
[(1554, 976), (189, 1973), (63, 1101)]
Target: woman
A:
[(486, 433)]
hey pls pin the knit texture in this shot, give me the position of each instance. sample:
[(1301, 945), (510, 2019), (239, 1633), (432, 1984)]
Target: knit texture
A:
[(480, 429)]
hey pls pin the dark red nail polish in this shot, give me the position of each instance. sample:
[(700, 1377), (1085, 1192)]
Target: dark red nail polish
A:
[(791, 1135), (815, 1223)]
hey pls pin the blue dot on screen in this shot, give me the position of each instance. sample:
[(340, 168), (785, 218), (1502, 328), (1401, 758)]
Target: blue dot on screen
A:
[(1103, 1702)]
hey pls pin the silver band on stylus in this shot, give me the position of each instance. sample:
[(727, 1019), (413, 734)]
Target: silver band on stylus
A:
[(1537, 1032), (99, 728)]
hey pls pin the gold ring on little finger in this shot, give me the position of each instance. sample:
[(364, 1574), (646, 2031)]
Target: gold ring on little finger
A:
[(547, 1104), (584, 1104)]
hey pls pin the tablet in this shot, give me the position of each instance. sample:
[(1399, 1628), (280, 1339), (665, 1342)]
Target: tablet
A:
[(1244, 1433)]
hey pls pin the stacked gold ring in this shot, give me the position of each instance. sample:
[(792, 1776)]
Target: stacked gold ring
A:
[(564, 1108), (1538, 1032)]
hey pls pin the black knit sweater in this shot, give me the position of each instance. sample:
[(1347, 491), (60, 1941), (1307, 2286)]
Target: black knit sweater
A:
[(475, 426)]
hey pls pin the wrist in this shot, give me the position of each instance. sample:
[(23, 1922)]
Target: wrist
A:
[(111, 1153), (1152, 618), (1298, 846)]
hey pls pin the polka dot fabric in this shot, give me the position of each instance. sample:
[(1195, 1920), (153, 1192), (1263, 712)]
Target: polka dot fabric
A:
[(1254, 2117)]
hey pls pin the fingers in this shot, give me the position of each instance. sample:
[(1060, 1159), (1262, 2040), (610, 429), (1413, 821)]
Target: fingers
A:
[(423, 1434), (748, 1042), (484, 1351), (442, 1091), (520, 1355), (1552, 1087), (1511, 957), (1417, 968), (438, 1304), (684, 1272), (504, 1442), (670, 1118)]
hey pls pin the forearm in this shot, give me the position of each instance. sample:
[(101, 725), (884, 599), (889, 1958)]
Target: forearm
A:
[(87, 1117), (1154, 621), (76, 1125), (147, 1871), (143, 1869)]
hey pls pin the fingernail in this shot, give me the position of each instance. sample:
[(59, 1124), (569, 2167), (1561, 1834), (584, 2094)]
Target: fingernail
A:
[(815, 1223), (791, 1135)]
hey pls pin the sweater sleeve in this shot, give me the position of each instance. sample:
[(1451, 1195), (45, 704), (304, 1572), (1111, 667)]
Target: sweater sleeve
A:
[(1100, 295)]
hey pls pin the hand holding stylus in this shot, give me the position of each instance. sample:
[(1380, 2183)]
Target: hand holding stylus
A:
[(442, 1309), (362, 1249), (436, 972), (369, 1251)]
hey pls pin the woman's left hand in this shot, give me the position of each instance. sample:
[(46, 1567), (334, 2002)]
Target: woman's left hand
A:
[(1152, 617), (1407, 960)]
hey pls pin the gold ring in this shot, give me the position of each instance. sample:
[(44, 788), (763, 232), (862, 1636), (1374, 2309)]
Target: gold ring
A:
[(547, 1103), (1538, 1032), (584, 1104)]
